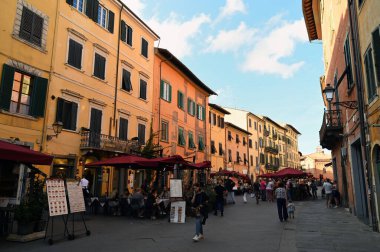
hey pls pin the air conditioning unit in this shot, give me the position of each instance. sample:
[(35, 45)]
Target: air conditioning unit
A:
[(343, 152)]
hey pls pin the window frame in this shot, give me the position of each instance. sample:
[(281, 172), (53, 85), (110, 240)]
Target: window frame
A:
[(147, 48), (105, 19), (373, 88), (127, 133), (143, 79), (166, 133), (20, 93), (103, 55), (166, 92), (124, 68), (79, 41), (138, 132), (77, 114)]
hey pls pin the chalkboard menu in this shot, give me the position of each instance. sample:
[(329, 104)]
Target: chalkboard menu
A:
[(56, 197)]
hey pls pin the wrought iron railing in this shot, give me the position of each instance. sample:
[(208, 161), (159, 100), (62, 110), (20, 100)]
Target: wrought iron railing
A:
[(91, 140), (273, 150), (331, 120)]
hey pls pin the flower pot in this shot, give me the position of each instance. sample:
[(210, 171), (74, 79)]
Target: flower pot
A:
[(25, 228)]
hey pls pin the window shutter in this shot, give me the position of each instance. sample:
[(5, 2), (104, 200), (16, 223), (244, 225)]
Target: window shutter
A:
[(204, 114), (143, 89), (123, 28), (162, 89), (170, 93), (376, 52), (126, 84), (74, 111), (6, 87), (38, 97), (70, 2), (123, 129), (59, 112), (193, 106), (111, 17), (179, 99), (95, 10), (77, 51), (90, 9), (71, 56), (129, 35), (38, 23), (188, 105), (102, 67), (144, 47), (26, 26), (222, 122)]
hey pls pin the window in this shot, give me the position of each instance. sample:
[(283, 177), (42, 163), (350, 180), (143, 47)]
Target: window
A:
[(209, 117), (244, 141), (245, 158), (360, 2), (166, 91), (256, 145), (164, 131), (255, 124), (370, 76), (237, 157), (229, 156), (201, 145), (200, 112), (180, 100), (191, 140), (190, 106), (251, 159), (347, 57), (376, 53), (222, 123), (22, 93), (102, 16), (250, 143), (78, 4), (99, 66), (221, 149), (143, 87), (126, 83), (67, 114), (219, 121), (75, 54), (213, 149), (237, 139), (214, 119), (181, 137), (229, 136), (257, 161), (144, 48), (141, 133), (250, 122), (31, 26), (261, 142), (123, 129), (262, 158), (126, 33), (260, 128)]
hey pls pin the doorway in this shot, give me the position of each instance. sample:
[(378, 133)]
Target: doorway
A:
[(376, 166), (358, 176)]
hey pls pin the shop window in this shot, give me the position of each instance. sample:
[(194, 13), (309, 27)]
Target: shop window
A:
[(63, 168)]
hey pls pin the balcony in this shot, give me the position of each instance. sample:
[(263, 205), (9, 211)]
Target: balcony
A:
[(266, 133), (273, 150), (331, 130), (94, 141), (275, 136), (271, 167)]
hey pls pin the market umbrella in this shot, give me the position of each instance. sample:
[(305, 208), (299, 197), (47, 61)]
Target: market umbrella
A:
[(13, 152), (267, 175), (200, 166), (290, 172)]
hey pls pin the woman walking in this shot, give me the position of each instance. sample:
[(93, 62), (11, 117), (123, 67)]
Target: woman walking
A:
[(199, 201), (281, 202)]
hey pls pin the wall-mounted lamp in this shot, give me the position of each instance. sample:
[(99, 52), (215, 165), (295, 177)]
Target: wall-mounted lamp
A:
[(57, 128), (329, 94)]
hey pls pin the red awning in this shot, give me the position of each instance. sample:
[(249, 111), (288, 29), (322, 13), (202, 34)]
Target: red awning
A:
[(130, 160), (22, 154), (290, 172)]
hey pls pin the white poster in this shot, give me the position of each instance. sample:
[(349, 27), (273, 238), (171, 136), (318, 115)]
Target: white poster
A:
[(56, 197), (177, 212), (175, 188), (76, 199)]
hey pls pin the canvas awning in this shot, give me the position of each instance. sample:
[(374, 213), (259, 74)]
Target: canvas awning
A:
[(130, 160), (17, 153)]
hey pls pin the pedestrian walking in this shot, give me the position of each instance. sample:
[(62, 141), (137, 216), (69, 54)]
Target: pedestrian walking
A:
[(256, 190), (263, 186), (281, 202), (314, 189), (269, 190), (327, 186), (199, 201), (291, 209), (229, 184), (220, 192)]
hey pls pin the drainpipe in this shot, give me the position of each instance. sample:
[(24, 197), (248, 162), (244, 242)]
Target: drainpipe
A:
[(361, 109), (117, 67), (44, 126)]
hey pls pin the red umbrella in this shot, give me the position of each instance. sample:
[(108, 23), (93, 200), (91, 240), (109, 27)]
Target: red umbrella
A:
[(22, 154), (131, 160), (267, 175), (290, 172), (223, 173), (200, 166)]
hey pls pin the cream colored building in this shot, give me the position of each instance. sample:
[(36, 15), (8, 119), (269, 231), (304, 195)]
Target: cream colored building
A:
[(318, 164)]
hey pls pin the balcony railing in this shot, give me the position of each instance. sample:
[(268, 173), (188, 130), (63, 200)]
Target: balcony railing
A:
[(332, 128), (266, 133), (275, 136), (272, 150), (91, 140), (271, 167)]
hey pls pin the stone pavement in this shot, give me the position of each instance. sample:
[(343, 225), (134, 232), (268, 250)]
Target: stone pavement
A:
[(245, 227)]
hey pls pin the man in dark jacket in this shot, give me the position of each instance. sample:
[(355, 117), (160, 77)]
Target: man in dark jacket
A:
[(199, 201), (230, 189), (220, 190)]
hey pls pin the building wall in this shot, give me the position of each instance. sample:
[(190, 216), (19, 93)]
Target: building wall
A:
[(235, 147), (28, 58), (256, 136), (293, 157), (218, 135), (176, 117)]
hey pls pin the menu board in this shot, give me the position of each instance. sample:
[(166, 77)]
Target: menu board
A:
[(56, 197), (76, 199), (177, 212), (175, 188)]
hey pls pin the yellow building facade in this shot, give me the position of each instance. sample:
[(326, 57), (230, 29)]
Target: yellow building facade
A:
[(217, 140), (292, 155)]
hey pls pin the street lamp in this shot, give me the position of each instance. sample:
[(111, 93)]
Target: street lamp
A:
[(329, 93), (57, 128)]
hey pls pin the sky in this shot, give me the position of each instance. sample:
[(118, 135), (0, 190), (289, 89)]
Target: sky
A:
[(254, 54)]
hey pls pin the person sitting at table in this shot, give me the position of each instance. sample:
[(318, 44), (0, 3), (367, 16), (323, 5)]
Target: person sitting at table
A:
[(137, 203), (152, 206), (125, 202)]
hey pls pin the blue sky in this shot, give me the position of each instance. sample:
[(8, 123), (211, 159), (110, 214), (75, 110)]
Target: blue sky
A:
[(255, 54)]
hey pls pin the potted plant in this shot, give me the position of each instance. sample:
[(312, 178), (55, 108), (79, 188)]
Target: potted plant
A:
[(29, 213)]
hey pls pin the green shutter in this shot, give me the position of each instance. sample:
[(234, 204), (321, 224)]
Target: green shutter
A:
[(193, 107), (179, 99), (6, 87), (37, 108), (111, 18), (198, 115), (170, 93), (203, 113), (162, 89)]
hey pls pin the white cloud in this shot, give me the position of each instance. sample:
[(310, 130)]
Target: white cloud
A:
[(231, 40), (137, 6), (231, 7), (225, 97), (176, 35), (280, 43)]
